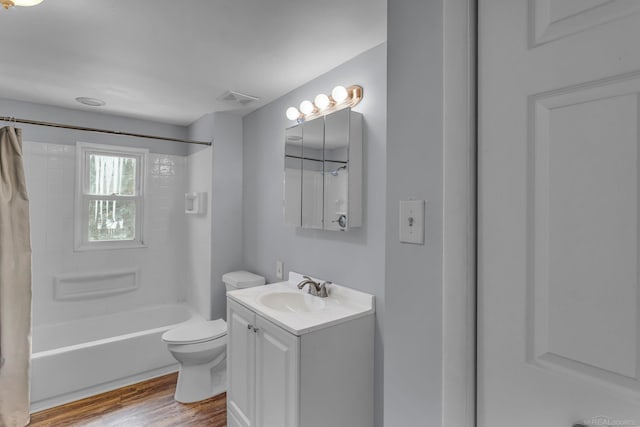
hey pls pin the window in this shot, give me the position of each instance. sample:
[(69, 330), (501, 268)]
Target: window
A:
[(109, 196)]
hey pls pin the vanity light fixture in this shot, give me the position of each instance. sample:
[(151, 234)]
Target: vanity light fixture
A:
[(339, 94), (10, 3), (307, 107), (293, 113), (322, 101), (340, 98)]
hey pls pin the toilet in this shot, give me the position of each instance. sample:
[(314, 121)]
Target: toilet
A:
[(201, 348)]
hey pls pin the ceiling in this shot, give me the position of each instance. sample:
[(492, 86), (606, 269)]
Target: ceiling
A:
[(168, 60)]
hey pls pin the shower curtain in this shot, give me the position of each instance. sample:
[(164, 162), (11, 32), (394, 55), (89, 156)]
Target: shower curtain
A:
[(15, 283)]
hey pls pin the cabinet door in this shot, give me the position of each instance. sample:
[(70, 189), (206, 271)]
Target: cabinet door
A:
[(277, 376), (336, 170), (312, 172), (293, 176), (241, 364), (233, 421)]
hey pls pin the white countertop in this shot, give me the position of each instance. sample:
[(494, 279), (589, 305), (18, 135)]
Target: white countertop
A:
[(341, 305)]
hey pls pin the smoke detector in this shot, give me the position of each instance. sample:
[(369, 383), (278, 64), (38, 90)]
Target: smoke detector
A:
[(241, 99)]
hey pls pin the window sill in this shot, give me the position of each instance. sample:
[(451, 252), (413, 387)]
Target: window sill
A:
[(105, 246)]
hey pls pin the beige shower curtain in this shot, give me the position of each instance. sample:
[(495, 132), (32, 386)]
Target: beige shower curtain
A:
[(15, 283)]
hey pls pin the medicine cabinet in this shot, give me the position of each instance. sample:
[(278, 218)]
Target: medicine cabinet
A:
[(323, 172)]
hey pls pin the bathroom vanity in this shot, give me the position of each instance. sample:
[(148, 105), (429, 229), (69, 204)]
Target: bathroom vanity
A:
[(296, 360)]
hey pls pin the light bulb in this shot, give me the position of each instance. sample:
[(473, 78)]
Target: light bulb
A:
[(339, 94), (27, 2), (322, 101), (306, 107), (292, 113)]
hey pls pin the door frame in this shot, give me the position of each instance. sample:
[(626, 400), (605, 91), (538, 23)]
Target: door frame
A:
[(459, 213)]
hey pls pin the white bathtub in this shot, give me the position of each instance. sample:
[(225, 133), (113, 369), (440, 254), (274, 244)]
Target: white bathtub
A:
[(76, 359)]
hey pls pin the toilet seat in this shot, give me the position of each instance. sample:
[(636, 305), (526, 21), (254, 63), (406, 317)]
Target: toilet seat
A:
[(196, 332)]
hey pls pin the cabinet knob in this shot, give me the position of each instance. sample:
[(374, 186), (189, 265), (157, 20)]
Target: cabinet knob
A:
[(342, 221), (256, 330), (249, 327)]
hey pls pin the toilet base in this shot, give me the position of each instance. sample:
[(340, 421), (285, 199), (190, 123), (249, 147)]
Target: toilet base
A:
[(200, 382)]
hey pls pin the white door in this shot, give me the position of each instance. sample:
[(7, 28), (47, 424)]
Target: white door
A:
[(241, 344), (559, 314), (277, 376)]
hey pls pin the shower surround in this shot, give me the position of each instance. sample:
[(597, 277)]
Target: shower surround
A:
[(96, 287)]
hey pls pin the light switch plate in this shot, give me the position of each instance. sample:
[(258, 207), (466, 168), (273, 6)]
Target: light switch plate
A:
[(412, 221), (279, 269)]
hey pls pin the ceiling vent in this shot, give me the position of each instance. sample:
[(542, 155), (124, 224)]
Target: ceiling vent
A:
[(237, 98)]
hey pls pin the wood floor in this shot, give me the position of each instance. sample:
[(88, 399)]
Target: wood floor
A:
[(149, 403)]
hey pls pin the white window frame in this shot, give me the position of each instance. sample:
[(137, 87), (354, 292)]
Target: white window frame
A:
[(83, 198)]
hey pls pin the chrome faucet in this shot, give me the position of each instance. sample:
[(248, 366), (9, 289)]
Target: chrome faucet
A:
[(315, 288)]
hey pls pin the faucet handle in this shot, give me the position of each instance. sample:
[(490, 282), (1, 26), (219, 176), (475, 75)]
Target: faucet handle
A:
[(323, 293), (313, 286)]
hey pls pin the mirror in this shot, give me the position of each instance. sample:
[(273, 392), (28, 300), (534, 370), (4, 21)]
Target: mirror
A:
[(336, 163), (293, 176), (312, 173), (323, 172)]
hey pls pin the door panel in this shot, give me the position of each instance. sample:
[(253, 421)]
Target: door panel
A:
[(558, 235), (554, 19), (277, 376), (584, 229), (241, 364)]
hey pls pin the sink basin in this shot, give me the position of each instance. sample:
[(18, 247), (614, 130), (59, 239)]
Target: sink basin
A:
[(298, 312), (291, 302)]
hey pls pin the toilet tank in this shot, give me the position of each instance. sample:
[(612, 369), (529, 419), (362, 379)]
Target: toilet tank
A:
[(241, 279)]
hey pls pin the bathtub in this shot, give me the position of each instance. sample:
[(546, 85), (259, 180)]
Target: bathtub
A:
[(75, 359)]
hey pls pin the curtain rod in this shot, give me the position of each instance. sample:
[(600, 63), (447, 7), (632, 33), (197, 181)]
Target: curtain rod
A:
[(109, 132)]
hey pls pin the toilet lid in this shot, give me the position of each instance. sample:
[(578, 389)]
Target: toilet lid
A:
[(196, 332)]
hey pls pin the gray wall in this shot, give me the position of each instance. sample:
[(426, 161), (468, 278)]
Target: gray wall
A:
[(413, 315), (355, 258), (93, 118), (225, 200)]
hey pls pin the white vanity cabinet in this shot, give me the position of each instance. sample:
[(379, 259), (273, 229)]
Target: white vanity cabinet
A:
[(264, 375), (278, 379)]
